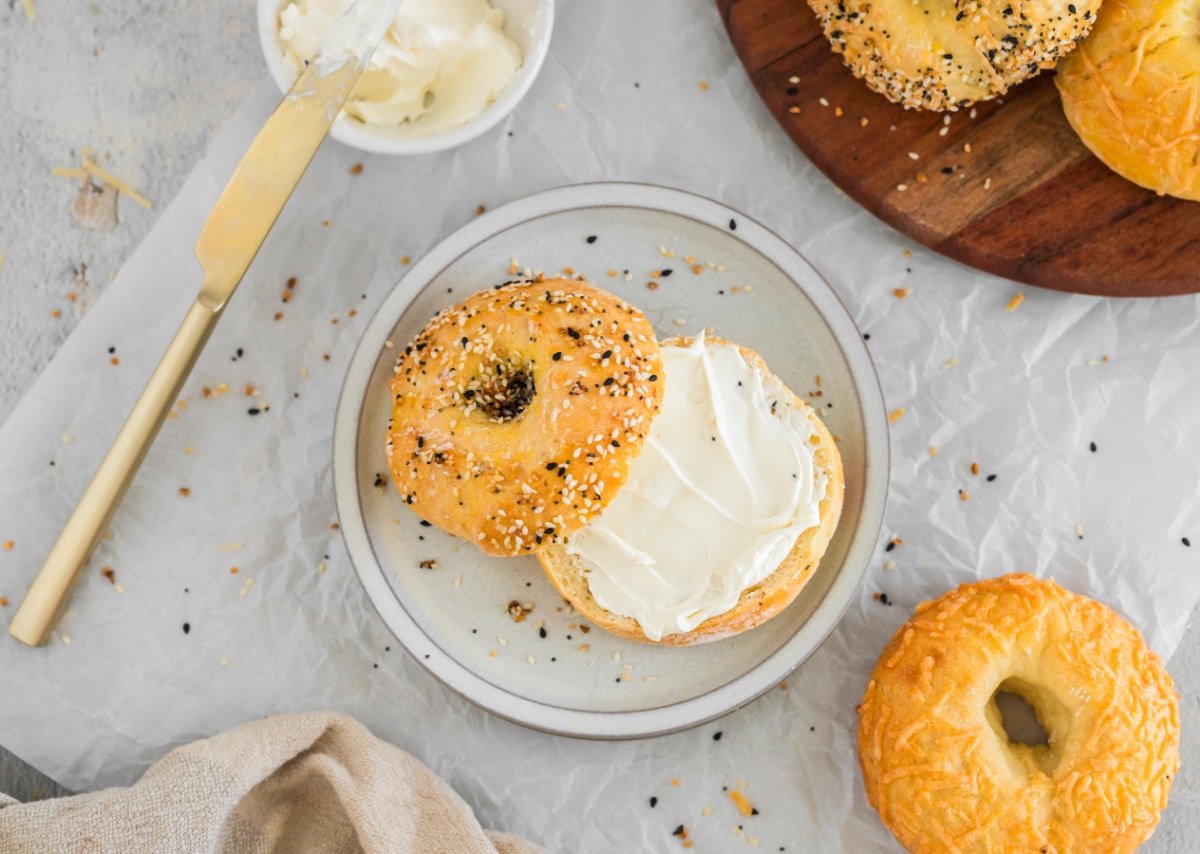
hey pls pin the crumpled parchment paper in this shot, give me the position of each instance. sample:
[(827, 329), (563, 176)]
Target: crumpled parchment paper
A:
[(1083, 409)]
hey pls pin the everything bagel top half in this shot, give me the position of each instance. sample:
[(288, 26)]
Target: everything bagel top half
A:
[(516, 412), (672, 494)]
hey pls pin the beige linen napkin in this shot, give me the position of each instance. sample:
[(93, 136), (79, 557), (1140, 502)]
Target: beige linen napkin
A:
[(312, 782)]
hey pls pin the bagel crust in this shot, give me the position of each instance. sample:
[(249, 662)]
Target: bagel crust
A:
[(935, 758), (516, 412), (943, 55), (1131, 93), (757, 603)]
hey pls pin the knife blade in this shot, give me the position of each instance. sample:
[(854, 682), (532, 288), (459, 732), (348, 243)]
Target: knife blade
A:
[(239, 223)]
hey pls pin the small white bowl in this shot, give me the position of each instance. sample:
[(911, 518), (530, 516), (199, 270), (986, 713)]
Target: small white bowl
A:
[(527, 22)]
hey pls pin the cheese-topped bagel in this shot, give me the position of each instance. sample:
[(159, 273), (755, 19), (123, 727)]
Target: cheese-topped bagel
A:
[(1132, 93), (938, 764)]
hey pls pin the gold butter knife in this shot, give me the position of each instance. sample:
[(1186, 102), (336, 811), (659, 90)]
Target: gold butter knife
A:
[(237, 227)]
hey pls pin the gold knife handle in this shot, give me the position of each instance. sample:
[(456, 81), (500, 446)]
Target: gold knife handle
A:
[(52, 585)]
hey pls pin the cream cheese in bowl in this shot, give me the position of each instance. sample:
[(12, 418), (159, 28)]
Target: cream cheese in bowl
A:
[(446, 71), (441, 64)]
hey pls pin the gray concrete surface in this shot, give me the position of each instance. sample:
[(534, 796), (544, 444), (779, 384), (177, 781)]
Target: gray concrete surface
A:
[(145, 85)]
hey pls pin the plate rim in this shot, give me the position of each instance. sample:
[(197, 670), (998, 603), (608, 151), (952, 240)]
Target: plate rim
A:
[(615, 724)]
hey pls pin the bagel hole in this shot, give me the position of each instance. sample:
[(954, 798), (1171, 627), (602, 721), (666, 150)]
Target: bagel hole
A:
[(1020, 719), (503, 392)]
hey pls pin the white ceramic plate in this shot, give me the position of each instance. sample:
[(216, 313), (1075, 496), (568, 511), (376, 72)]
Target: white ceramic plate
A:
[(549, 671)]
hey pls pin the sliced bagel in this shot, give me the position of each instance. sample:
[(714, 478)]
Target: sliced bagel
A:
[(760, 600)]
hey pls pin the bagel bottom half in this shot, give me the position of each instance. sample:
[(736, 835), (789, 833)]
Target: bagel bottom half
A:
[(760, 601), (936, 760)]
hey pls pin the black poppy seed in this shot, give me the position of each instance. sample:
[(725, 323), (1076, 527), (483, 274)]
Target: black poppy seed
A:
[(891, 545), (990, 478), (112, 349), (542, 632), (1186, 542), (733, 225), (717, 736), (425, 524), (679, 830), (187, 627), (1092, 447), (667, 272), (653, 802), (654, 378), (254, 410), (591, 238), (609, 381)]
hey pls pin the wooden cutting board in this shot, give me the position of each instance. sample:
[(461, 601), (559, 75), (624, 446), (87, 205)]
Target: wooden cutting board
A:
[(1011, 191)]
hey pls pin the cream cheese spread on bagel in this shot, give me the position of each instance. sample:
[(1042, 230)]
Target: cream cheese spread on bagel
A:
[(724, 485)]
